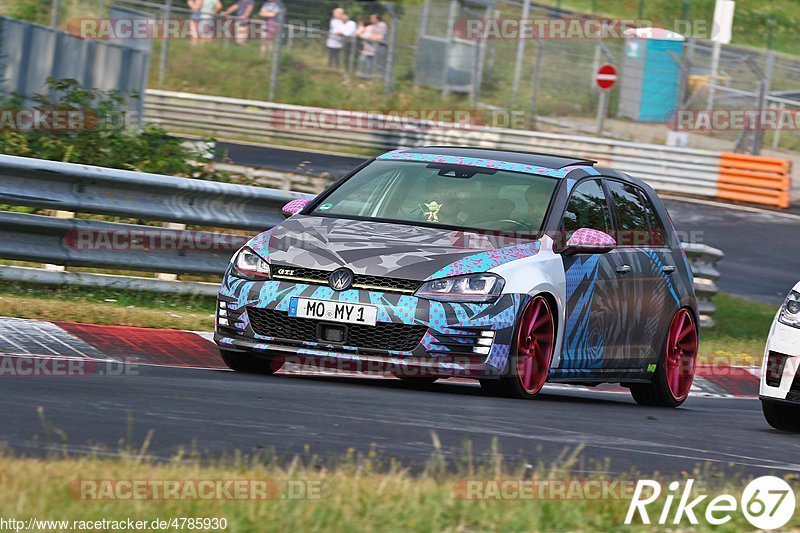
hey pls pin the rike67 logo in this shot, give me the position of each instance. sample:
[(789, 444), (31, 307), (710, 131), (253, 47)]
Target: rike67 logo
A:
[(767, 503)]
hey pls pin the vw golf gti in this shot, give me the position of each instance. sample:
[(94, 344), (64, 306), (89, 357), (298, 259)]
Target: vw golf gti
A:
[(512, 268)]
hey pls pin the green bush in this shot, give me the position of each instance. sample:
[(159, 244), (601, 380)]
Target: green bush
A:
[(108, 142), (37, 11)]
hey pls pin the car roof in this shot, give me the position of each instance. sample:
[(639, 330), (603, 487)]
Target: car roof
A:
[(524, 158)]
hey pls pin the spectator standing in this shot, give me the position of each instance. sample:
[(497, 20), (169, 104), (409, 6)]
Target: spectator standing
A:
[(340, 29), (349, 29), (372, 36), (203, 12), (271, 13), (243, 10)]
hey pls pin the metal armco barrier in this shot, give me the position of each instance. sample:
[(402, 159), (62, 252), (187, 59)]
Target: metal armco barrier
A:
[(110, 245), (678, 170), (755, 179), (98, 244), (90, 189)]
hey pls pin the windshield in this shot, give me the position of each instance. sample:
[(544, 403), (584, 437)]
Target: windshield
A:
[(446, 195)]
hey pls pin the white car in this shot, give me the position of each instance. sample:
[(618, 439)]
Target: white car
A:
[(780, 375)]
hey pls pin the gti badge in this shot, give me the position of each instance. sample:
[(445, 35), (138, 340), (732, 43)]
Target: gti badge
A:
[(340, 279)]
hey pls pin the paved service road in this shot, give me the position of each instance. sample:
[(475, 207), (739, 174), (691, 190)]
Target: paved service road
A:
[(761, 247), (217, 411), (288, 159)]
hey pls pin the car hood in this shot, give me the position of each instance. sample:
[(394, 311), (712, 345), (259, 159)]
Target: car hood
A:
[(385, 249)]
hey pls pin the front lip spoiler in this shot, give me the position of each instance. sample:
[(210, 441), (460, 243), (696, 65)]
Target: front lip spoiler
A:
[(346, 361)]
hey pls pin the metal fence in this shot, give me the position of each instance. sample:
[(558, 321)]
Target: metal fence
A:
[(267, 51), (549, 79), (136, 247), (30, 53)]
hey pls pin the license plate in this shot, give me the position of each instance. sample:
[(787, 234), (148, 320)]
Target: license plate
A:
[(333, 311)]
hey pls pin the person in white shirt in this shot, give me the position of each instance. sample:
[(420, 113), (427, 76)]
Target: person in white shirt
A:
[(340, 30)]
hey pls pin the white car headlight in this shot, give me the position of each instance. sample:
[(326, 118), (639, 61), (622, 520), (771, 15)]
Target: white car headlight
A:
[(790, 311), (477, 288), (249, 265)]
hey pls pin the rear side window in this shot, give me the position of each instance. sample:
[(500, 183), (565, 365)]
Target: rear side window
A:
[(657, 237), (637, 221), (587, 208)]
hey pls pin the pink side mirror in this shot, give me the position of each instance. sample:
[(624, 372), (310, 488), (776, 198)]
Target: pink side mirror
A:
[(589, 241), (295, 206)]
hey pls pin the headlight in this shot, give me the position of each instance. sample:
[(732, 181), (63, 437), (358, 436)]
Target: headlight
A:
[(479, 288), (249, 265), (790, 312)]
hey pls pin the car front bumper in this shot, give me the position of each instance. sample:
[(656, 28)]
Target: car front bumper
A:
[(780, 372), (413, 336)]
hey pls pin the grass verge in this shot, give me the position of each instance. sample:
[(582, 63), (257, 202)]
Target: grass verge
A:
[(99, 306), (354, 495), (741, 332)]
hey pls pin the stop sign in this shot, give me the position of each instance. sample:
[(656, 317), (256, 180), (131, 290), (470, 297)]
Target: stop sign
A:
[(606, 76)]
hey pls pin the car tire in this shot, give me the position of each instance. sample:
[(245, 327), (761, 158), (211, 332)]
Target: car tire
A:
[(674, 374), (247, 363), (782, 416), (531, 354)]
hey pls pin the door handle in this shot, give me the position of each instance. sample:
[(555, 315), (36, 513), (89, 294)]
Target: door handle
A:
[(668, 269), (623, 269)]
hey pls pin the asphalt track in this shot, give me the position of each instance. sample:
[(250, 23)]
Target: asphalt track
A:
[(215, 412), (761, 259)]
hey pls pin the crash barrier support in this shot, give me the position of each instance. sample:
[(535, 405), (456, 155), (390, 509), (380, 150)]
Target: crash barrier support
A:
[(99, 244), (703, 261)]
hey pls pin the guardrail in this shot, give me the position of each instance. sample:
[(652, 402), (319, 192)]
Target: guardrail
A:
[(82, 242), (90, 189), (671, 169)]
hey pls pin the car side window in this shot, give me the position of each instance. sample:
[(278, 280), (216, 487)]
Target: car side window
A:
[(657, 237), (633, 227), (587, 208)]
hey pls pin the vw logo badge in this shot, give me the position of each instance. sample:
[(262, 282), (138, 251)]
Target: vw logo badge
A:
[(341, 279)]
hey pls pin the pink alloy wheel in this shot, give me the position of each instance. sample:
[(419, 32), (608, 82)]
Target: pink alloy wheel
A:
[(681, 356), (535, 340)]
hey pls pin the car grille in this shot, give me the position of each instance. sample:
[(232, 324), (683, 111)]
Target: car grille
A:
[(382, 336), (360, 281)]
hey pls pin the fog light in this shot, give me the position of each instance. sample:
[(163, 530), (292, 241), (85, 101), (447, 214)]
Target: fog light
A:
[(223, 312), (482, 350), (487, 334), (485, 341), (223, 321), (223, 305)]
